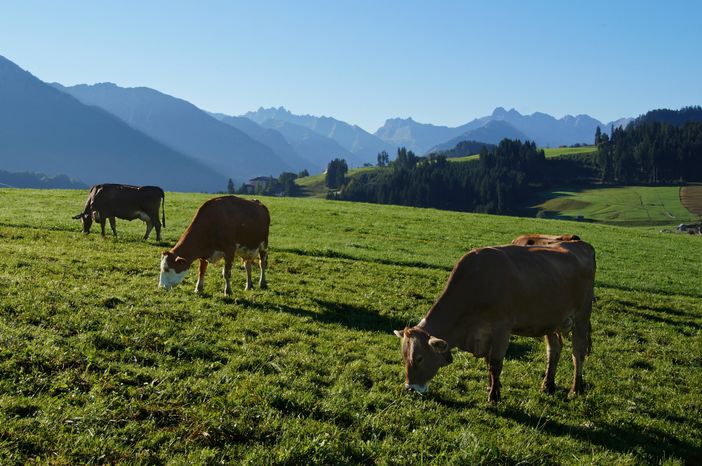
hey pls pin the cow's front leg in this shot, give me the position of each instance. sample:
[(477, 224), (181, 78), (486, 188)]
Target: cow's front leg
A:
[(553, 354), (495, 358), (113, 225), (227, 273), (262, 283), (200, 285), (247, 267)]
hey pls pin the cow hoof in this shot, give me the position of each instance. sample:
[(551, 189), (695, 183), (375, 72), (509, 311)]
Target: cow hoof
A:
[(549, 388), (263, 286)]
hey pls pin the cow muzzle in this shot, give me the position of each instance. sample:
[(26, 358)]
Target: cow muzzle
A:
[(422, 389)]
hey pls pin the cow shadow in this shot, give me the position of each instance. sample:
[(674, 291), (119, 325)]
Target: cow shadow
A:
[(349, 315), (654, 442)]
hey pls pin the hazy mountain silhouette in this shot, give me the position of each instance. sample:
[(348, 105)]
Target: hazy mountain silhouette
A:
[(541, 128), (269, 137), (45, 130), (363, 145), (419, 137), (491, 133), (318, 149), (184, 127)]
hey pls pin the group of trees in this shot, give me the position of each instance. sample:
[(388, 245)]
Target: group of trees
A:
[(335, 176), (661, 146), (493, 185)]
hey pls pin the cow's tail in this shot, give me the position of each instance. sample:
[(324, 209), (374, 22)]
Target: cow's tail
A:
[(163, 209)]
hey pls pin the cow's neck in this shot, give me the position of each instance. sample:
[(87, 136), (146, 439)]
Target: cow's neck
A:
[(189, 250), (442, 321)]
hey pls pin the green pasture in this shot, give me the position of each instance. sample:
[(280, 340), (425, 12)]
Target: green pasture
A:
[(97, 365), (625, 205)]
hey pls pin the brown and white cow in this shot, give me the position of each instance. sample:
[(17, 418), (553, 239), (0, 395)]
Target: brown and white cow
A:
[(107, 201), (494, 292), (223, 227)]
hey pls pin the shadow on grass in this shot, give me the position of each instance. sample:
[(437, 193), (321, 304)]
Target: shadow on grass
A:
[(348, 315), (331, 254), (623, 439)]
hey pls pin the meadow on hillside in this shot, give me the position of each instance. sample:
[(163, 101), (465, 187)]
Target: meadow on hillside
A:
[(97, 365)]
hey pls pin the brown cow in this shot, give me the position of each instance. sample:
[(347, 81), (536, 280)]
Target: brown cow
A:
[(223, 227), (107, 201), (494, 292), (542, 240)]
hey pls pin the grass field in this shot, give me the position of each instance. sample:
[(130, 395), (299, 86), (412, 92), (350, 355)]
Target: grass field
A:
[(97, 365), (625, 206), (691, 198)]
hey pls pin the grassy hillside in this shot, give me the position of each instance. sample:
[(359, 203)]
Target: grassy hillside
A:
[(625, 206), (313, 186), (549, 152), (97, 365)]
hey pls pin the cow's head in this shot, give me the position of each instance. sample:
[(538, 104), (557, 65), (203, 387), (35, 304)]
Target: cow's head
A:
[(423, 355), (86, 219), (173, 269)]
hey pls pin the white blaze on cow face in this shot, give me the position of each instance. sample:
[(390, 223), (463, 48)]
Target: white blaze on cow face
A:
[(169, 277)]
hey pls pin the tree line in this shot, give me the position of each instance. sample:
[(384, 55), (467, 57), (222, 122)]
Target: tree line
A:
[(496, 184), (662, 146)]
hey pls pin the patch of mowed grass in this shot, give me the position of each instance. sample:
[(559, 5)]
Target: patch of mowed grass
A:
[(624, 206), (99, 366)]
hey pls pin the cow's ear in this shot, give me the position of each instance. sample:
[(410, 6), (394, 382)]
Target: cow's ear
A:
[(399, 333), (76, 217), (438, 345), (180, 260), (165, 253)]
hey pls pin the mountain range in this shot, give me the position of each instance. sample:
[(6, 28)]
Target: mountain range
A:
[(48, 131), (104, 132), (543, 129)]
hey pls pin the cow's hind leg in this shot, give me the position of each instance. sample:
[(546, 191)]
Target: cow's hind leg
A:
[(149, 226), (553, 354), (263, 255), (113, 225), (157, 224), (249, 283), (200, 285), (581, 347), (495, 358), (227, 272)]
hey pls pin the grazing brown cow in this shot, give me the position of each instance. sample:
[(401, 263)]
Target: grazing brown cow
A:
[(542, 240), (107, 201), (223, 227), (494, 292)]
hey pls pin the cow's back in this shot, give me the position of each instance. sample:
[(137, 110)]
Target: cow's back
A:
[(530, 289), (228, 220)]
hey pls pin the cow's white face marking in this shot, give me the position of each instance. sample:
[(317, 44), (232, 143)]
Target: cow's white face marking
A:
[(215, 257), (417, 388), (169, 277)]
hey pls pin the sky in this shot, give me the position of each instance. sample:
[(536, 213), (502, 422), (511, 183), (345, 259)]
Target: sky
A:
[(441, 62)]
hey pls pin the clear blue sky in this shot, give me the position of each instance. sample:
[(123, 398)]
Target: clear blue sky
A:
[(441, 62)]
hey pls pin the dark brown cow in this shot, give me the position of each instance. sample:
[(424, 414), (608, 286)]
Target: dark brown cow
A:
[(110, 201), (223, 227), (494, 292)]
